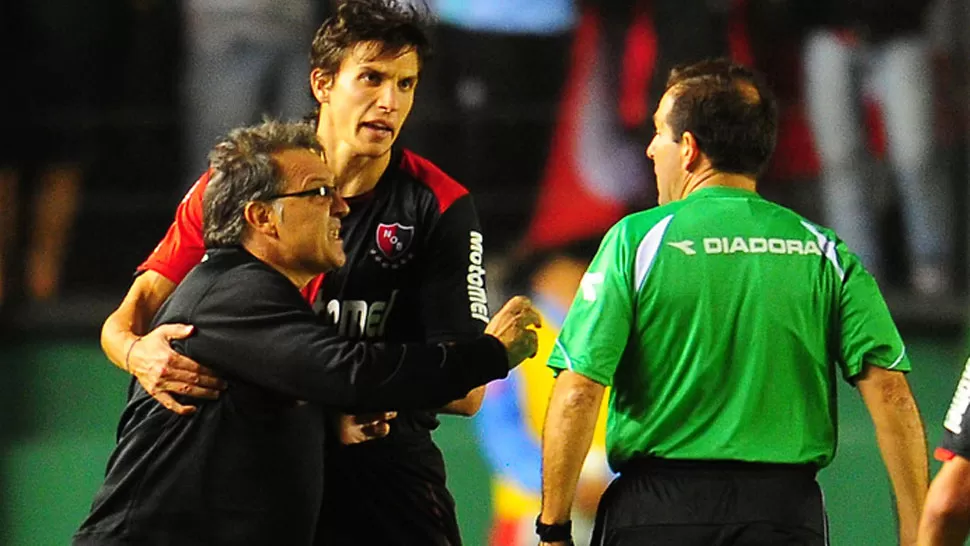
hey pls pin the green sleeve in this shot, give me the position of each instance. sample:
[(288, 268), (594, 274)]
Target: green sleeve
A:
[(868, 334), (596, 329)]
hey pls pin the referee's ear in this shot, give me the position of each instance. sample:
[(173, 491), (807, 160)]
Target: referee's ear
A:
[(690, 152)]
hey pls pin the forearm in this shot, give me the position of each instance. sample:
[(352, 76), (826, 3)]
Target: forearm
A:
[(415, 382), (902, 443), (903, 446), (566, 439), (132, 318), (943, 530), (467, 406)]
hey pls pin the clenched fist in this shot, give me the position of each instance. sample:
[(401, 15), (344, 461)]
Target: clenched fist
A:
[(511, 326)]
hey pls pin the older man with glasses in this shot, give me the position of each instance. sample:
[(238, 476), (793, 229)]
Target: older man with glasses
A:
[(245, 468)]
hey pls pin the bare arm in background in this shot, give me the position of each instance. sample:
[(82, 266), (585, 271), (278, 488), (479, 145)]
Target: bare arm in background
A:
[(148, 356), (467, 406), (902, 442), (946, 516)]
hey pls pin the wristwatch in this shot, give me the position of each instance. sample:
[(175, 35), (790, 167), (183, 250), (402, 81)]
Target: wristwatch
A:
[(556, 532)]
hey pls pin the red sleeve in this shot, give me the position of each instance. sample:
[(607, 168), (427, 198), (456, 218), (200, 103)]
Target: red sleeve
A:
[(182, 247), (943, 454)]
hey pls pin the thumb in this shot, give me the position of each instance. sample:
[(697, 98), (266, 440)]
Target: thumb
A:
[(176, 331)]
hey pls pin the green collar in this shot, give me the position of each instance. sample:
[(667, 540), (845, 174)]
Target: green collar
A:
[(722, 191)]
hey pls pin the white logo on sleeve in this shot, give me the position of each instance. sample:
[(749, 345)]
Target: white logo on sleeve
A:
[(960, 403), (477, 298), (588, 285), (687, 247)]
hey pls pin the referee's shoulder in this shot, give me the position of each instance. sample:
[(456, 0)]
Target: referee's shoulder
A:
[(649, 217), (781, 211)]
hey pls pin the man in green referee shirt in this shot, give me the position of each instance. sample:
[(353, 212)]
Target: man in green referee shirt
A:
[(722, 322)]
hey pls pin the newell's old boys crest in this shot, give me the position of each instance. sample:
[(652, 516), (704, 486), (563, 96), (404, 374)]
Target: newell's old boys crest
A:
[(393, 240)]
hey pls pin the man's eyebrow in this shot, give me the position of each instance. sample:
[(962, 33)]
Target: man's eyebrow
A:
[(366, 67), (385, 74), (327, 180)]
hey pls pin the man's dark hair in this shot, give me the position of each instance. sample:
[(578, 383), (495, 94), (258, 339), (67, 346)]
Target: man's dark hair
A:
[(729, 110), (394, 25), (242, 169)]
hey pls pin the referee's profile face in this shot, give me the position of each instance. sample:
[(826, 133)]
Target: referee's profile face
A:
[(665, 153)]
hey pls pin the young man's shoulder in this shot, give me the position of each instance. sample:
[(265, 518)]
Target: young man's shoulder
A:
[(428, 177)]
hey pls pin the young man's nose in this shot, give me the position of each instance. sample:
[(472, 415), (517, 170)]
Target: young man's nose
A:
[(388, 98)]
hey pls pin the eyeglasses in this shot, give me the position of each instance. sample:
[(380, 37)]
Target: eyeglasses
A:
[(322, 191)]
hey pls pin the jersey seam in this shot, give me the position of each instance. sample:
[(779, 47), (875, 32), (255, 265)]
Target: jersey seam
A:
[(599, 378), (898, 359)]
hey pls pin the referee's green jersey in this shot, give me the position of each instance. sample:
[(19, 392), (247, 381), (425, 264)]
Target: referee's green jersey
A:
[(722, 321)]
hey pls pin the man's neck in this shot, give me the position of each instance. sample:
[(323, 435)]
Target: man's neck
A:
[(355, 174), (710, 178), (269, 254), (360, 174)]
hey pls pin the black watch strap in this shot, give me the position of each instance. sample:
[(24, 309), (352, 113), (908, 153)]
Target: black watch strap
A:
[(555, 532)]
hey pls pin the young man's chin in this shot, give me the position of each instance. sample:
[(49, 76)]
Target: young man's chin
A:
[(375, 150)]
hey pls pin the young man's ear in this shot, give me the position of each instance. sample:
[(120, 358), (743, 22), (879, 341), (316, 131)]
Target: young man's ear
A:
[(690, 153), (261, 217), (320, 84)]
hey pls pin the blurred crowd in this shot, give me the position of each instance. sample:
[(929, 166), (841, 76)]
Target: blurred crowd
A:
[(542, 108)]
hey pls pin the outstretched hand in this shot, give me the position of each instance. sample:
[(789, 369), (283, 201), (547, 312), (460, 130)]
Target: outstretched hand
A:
[(162, 372), (511, 326)]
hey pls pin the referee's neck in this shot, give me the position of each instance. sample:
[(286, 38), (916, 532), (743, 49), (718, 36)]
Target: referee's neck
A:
[(712, 179)]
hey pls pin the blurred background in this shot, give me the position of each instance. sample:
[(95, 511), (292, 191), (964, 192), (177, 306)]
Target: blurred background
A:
[(542, 108)]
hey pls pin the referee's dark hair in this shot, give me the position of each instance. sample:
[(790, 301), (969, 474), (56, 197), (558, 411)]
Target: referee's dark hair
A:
[(242, 169), (394, 26), (730, 111)]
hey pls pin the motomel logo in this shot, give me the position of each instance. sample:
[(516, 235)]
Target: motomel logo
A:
[(477, 298), (357, 318), (961, 401), (759, 245)]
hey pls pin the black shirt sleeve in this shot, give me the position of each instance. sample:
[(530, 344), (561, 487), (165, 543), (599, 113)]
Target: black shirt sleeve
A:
[(454, 278), (252, 324), (956, 424)]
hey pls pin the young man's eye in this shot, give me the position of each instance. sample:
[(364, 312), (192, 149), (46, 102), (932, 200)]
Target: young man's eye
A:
[(406, 84)]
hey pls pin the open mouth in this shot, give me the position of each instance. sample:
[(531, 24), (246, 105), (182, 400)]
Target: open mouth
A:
[(334, 233), (378, 126)]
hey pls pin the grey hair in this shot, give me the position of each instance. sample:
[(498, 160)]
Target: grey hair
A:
[(242, 169)]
